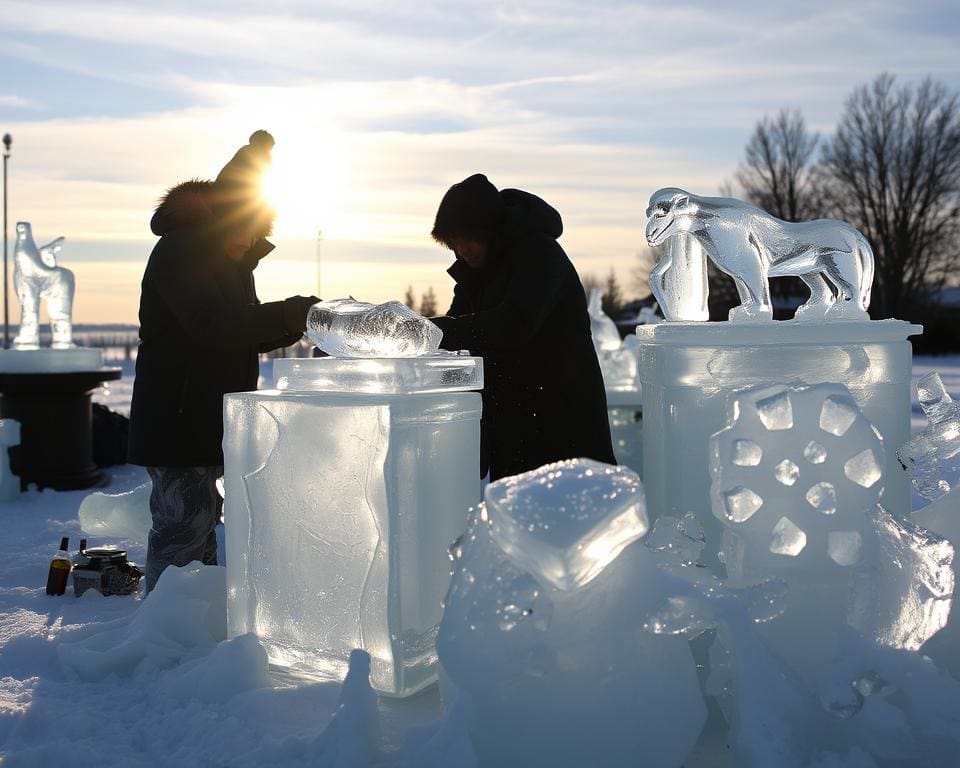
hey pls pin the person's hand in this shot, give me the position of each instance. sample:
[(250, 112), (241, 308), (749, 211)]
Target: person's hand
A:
[(295, 311)]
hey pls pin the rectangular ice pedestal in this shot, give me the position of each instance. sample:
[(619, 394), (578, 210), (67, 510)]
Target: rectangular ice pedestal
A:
[(625, 414), (340, 510)]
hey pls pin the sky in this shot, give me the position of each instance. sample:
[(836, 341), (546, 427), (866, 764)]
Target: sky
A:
[(378, 107)]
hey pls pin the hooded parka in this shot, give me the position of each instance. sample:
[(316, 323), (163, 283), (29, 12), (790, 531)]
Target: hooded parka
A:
[(525, 312), (201, 329)]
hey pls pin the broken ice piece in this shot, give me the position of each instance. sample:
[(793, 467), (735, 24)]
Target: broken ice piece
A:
[(349, 328), (932, 457), (565, 522)]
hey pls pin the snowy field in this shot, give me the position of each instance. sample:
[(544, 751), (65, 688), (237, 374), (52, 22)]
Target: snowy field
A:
[(126, 681)]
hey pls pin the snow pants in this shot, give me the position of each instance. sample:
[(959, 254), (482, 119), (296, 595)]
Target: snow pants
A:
[(185, 508)]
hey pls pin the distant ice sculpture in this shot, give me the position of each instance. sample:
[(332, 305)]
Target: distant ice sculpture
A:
[(36, 276), (350, 328), (606, 337), (932, 457), (9, 437), (619, 358), (750, 245), (542, 627)]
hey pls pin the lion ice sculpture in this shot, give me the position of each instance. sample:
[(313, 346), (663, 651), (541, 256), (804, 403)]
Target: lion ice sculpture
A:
[(750, 245), (36, 276)]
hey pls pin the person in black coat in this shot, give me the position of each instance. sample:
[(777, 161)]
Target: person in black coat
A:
[(519, 303), (202, 328)]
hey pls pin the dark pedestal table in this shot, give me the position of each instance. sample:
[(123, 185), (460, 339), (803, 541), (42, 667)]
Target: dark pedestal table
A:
[(56, 443)]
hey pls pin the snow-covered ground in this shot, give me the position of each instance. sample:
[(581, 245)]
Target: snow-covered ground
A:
[(172, 691)]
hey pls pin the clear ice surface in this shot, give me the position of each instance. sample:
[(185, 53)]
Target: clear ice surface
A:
[(932, 457), (36, 276), (750, 245), (552, 674), (565, 522), (350, 328)]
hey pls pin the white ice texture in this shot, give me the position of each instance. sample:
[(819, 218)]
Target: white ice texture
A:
[(619, 358), (831, 257), (117, 515), (36, 276), (350, 328), (9, 482), (340, 508), (542, 627), (566, 521), (932, 457)]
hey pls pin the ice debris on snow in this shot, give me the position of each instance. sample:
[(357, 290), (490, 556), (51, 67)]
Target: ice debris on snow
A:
[(350, 328), (932, 457), (117, 515)]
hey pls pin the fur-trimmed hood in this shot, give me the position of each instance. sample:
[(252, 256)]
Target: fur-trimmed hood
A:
[(183, 206)]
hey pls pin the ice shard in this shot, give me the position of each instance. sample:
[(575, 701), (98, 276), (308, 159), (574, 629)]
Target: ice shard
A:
[(932, 457)]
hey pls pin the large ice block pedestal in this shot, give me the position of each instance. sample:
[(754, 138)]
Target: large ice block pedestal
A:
[(688, 370), (344, 491)]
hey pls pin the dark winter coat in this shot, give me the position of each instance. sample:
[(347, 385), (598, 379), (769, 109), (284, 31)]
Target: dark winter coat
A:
[(201, 329), (525, 312)]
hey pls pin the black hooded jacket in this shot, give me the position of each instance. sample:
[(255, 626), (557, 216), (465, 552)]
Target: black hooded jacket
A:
[(201, 329), (525, 312)]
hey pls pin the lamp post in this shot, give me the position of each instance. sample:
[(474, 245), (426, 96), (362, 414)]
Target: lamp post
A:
[(7, 141), (319, 253)]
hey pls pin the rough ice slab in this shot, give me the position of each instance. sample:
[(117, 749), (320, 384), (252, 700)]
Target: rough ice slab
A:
[(565, 521), (443, 372), (50, 360), (350, 328), (117, 515), (565, 676), (932, 457)]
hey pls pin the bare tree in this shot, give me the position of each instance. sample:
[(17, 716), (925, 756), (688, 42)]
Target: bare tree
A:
[(778, 169), (612, 295), (409, 299), (893, 171), (647, 259)]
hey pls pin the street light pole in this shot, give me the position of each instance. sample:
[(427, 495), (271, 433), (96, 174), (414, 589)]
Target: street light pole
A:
[(7, 141), (319, 253)]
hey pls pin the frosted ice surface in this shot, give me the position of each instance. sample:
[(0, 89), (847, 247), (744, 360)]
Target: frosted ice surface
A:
[(932, 457), (565, 521), (349, 328), (37, 277), (787, 539), (602, 328), (746, 453), (117, 515), (793, 494), (844, 547), (750, 245), (683, 537)]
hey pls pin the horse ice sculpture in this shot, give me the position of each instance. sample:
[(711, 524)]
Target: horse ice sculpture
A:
[(36, 276), (750, 245)]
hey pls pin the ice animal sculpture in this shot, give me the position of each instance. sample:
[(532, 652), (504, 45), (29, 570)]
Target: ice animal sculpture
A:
[(542, 627), (750, 245), (932, 457), (9, 437), (350, 328), (36, 276)]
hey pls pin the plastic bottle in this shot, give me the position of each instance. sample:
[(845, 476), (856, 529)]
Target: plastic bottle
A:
[(59, 569)]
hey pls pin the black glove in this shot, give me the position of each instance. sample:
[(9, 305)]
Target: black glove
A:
[(295, 311)]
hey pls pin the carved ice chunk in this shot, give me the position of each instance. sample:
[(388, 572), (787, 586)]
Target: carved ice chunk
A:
[(36, 276), (602, 328), (837, 414), (787, 539), (823, 498), (746, 453), (565, 521), (117, 515), (552, 671), (775, 411), (932, 457), (349, 328), (815, 453), (786, 472), (750, 245), (863, 469), (740, 504)]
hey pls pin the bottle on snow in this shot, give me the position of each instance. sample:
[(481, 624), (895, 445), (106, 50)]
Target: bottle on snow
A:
[(59, 569)]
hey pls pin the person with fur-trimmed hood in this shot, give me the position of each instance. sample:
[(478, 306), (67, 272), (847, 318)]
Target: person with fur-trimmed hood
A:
[(202, 328), (519, 303)]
